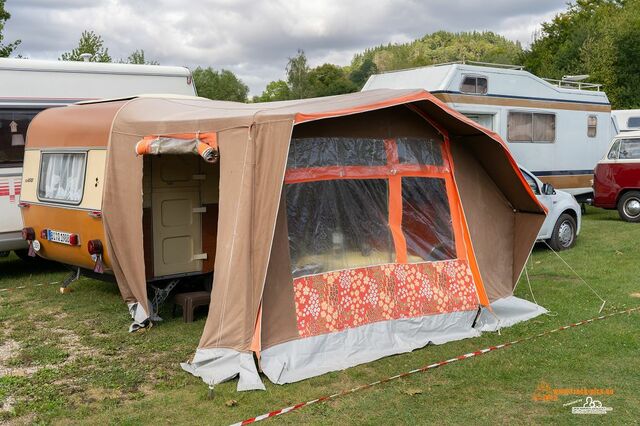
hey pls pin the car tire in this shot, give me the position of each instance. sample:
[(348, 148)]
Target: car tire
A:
[(564, 233), (629, 206)]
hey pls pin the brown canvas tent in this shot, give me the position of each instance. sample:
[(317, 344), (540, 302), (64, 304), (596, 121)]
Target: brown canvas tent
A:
[(349, 227)]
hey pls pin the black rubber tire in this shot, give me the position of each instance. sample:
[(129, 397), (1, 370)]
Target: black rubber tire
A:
[(631, 195), (555, 241)]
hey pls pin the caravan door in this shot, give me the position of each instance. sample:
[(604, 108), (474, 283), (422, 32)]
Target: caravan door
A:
[(177, 232)]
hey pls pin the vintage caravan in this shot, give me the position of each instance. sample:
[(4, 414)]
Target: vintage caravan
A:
[(324, 221), (557, 129), (626, 120), (30, 86)]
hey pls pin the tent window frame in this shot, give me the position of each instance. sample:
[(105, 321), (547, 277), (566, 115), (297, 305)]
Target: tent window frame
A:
[(394, 171)]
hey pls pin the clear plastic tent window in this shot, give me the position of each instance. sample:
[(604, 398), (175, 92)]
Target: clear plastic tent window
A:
[(356, 202)]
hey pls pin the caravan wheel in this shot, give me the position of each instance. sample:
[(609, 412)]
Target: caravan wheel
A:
[(629, 206)]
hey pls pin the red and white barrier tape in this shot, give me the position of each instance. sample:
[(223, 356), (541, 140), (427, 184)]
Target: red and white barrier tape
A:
[(425, 368)]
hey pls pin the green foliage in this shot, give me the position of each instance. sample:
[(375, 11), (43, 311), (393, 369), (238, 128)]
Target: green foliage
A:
[(329, 79), (276, 91), (362, 72), (91, 43), (137, 57), (221, 85), (439, 47), (297, 71), (5, 49), (596, 37)]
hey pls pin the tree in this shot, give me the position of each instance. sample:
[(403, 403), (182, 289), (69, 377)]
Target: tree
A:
[(438, 47), (361, 74), (91, 43), (137, 57), (276, 91), (329, 79), (297, 71), (5, 49), (600, 38), (221, 85)]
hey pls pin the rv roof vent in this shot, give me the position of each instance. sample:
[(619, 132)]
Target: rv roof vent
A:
[(86, 57)]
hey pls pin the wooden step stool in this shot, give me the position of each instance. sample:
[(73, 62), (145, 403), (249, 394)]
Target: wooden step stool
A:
[(189, 302)]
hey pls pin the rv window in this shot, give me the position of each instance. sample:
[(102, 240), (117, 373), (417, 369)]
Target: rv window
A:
[(62, 177), (531, 127), (629, 149), (420, 151), (426, 220), (336, 151), (13, 130), (338, 224), (613, 152), (475, 85), (633, 122), (592, 126)]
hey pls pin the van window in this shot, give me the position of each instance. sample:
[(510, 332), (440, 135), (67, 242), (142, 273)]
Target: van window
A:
[(62, 177), (613, 152), (531, 127), (531, 181), (633, 122), (474, 84), (13, 131), (592, 126), (629, 149)]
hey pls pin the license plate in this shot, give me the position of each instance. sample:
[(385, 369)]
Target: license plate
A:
[(59, 237)]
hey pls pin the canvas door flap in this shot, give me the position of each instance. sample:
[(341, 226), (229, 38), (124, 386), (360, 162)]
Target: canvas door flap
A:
[(203, 144), (251, 176)]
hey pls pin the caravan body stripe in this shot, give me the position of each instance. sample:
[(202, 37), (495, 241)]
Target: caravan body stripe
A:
[(523, 102)]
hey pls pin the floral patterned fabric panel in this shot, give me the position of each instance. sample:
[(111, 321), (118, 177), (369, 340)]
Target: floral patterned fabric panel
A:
[(348, 298)]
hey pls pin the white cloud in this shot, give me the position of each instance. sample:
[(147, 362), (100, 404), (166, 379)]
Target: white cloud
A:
[(255, 38)]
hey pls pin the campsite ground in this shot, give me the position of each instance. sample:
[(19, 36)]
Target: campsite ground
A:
[(69, 358)]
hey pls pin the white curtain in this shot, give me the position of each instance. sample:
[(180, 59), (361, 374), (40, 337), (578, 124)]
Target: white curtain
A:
[(62, 177)]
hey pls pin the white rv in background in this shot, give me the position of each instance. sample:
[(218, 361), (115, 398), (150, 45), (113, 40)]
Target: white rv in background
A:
[(558, 129), (626, 120), (29, 86)]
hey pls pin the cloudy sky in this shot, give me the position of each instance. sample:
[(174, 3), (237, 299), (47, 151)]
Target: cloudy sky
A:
[(254, 38)]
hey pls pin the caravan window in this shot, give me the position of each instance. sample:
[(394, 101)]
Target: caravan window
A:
[(62, 177), (476, 85), (531, 127), (592, 126), (13, 131), (633, 122)]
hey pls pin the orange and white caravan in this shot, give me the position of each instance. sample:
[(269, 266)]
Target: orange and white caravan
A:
[(339, 230), (29, 86)]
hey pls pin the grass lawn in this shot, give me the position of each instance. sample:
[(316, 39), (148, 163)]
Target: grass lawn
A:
[(69, 358)]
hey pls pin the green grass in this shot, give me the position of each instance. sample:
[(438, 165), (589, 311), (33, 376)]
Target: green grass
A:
[(73, 360)]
